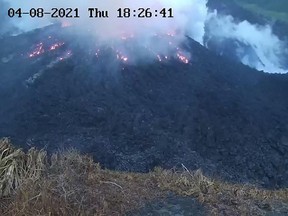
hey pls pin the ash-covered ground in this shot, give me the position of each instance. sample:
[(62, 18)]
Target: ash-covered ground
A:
[(192, 107)]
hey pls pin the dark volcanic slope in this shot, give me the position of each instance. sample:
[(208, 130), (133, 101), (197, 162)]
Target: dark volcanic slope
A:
[(215, 114)]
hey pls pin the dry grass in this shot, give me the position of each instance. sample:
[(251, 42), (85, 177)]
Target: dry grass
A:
[(72, 184), (75, 185), (16, 166), (220, 197)]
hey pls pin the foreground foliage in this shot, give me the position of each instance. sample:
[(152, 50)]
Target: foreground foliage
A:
[(72, 184), (16, 166)]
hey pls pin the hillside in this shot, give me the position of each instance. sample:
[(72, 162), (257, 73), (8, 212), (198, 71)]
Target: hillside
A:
[(142, 119), (273, 10), (68, 183), (256, 13), (277, 6), (277, 10), (240, 40), (213, 113)]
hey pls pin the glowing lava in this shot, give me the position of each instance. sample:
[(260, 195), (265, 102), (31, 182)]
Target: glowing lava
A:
[(37, 51), (183, 58), (41, 48), (127, 49), (55, 46)]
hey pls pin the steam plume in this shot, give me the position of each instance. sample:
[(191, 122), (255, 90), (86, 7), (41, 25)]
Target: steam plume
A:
[(260, 49), (266, 51), (189, 17)]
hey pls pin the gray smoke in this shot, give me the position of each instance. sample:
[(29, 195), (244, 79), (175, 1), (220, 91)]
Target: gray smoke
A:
[(266, 50), (189, 17), (6, 24)]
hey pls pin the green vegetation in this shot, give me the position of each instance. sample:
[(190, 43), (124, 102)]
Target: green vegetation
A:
[(277, 5), (72, 184), (276, 10)]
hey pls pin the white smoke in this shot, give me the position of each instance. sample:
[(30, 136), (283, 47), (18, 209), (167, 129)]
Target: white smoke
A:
[(189, 17), (268, 48), (6, 26)]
